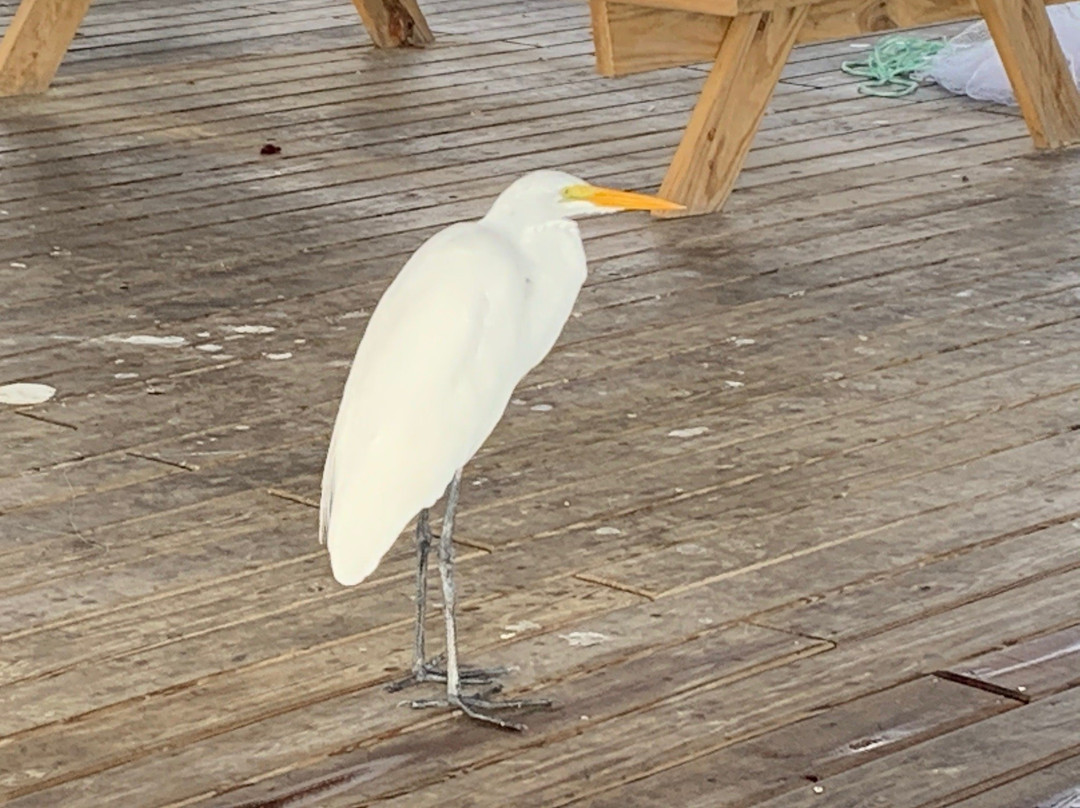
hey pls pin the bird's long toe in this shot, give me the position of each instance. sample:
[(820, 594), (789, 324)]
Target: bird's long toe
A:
[(433, 671), (481, 708)]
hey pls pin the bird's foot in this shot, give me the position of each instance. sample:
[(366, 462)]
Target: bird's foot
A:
[(480, 708), (432, 672)]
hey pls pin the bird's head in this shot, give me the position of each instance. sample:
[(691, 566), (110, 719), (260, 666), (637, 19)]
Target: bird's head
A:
[(551, 195)]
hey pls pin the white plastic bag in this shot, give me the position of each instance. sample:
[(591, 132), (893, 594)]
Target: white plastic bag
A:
[(969, 64)]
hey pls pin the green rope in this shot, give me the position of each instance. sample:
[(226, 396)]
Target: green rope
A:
[(888, 67)]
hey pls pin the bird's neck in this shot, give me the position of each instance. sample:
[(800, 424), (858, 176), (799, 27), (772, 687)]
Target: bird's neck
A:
[(520, 226), (511, 216)]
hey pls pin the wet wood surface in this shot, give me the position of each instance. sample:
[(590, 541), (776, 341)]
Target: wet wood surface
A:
[(790, 516)]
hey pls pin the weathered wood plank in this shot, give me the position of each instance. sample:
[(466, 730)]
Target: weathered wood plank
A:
[(230, 436), (758, 220), (71, 407), (227, 45), (834, 740), (76, 351), (1006, 560), (407, 239), (313, 562), (963, 762), (288, 196), (687, 525), (48, 150), (1029, 670), (403, 642), (197, 451), (1056, 785), (584, 764), (190, 543), (22, 616), (228, 445), (729, 653), (108, 88)]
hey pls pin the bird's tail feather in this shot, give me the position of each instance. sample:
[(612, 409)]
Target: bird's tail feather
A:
[(358, 538)]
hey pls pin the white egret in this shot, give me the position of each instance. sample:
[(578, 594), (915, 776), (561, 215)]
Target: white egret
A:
[(473, 310)]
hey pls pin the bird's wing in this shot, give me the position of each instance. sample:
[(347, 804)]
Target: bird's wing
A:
[(430, 380)]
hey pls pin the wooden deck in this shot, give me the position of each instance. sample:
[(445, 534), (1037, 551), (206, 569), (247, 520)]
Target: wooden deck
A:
[(790, 517)]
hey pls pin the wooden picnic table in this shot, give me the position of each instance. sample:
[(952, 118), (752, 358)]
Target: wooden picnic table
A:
[(41, 32), (748, 42)]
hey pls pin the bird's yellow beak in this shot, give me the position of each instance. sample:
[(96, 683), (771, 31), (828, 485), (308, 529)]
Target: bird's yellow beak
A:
[(611, 198)]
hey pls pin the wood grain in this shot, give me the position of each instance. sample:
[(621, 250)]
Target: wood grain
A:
[(714, 146), (639, 36), (41, 32), (1029, 670), (708, 719), (636, 35), (394, 23), (635, 38), (35, 42), (964, 762), (825, 744), (1055, 785), (1041, 78)]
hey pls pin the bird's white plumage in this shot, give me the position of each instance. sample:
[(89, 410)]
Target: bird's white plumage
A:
[(473, 310)]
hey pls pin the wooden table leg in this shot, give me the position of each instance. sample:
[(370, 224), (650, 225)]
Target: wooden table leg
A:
[(393, 23), (1040, 76), (35, 43), (716, 141)]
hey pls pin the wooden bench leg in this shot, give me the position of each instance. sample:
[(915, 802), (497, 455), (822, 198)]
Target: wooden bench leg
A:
[(35, 43), (394, 23), (716, 141), (1040, 76)]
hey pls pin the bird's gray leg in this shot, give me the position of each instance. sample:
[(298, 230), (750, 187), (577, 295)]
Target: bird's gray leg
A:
[(446, 572), (423, 671), (423, 546), (473, 706)]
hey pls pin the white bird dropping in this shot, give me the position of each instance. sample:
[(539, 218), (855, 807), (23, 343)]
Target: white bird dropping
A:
[(22, 394)]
